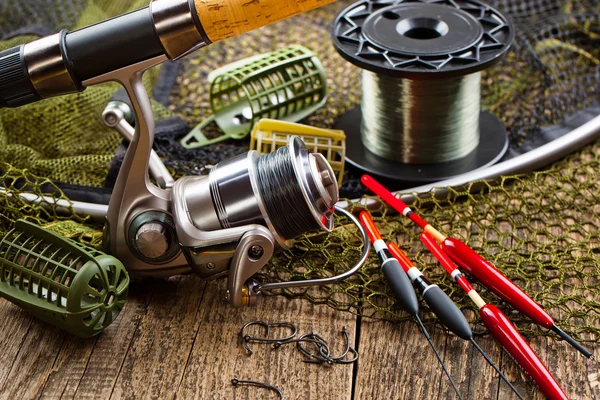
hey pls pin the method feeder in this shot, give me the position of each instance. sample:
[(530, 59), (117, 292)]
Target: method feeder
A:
[(229, 222), (477, 266), (400, 284), (501, 328), (443, 307)]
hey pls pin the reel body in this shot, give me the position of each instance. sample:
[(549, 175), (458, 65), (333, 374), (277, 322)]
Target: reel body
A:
[(228, 222)]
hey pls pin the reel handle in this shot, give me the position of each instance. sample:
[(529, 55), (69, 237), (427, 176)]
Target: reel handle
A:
[(253, 252)]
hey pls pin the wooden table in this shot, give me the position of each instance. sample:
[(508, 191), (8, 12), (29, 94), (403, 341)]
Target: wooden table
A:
[(179, 339)]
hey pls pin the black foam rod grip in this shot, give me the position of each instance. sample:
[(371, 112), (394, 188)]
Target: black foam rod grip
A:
[(401, 286), (16, 88), (445, 309)]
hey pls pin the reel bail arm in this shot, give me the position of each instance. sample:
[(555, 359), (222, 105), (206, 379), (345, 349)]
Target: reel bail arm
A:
[(331, 280), (252, 289)]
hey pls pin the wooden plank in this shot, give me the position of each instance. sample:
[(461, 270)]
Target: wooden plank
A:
[(68, 369), (397, 363), (568, 368), (593, 373), (482, 376), (189, 347), (50, 363), (104, 363), (15, 325), (76, 356), (156, 358), (34, 362), (217, 355)]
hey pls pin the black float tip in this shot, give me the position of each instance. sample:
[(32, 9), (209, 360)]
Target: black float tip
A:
[(572, 341)]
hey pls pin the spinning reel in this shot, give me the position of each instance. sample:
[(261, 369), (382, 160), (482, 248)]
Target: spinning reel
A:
[(228, 222)]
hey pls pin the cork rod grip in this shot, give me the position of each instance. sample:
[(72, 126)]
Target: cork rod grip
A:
[(222, 19)]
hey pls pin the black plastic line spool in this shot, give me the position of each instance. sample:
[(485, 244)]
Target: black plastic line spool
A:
[(418, 41)]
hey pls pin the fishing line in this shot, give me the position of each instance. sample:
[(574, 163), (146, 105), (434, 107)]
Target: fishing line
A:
[(400, 283), (490, 362), (420, 118), (420, 121), (442, 306), (282, 196), (437, 354)]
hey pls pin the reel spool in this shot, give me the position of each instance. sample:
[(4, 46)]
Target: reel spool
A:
[(288, 84), (290, 192), (420, 118), (62, 282), (269, 135)]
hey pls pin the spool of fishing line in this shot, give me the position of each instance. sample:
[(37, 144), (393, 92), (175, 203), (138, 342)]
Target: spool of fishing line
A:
[(291, 191), (283, 197), (420, 118)]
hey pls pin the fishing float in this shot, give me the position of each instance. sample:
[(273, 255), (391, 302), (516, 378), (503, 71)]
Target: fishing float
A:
[(501, 328), (443, 307), (478, 267), (400, 284)]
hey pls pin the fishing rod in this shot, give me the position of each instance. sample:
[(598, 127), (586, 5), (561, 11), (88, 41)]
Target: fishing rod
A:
[(478, 267), (229, 222), (443, 307), (400, 284), (501, 328)]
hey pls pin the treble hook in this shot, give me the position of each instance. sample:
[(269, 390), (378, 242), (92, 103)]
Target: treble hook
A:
[(236, 382)]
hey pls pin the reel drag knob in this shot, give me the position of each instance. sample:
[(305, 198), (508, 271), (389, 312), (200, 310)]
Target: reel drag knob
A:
[(153, 238)]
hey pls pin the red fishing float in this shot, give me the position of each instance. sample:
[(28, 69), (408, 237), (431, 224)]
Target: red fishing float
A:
[(477, 266)]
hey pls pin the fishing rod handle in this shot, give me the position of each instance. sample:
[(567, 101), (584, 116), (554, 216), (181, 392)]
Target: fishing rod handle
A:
[(222, 19), (62, 63)]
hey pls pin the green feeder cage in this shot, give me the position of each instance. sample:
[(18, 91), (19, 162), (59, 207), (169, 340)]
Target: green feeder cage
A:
[(64, 283), (288, 84)]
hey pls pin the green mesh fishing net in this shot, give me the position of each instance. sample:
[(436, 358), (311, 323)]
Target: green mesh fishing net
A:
[(541, 229)]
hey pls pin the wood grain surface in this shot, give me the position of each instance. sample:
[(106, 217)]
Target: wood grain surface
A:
[(178, 339), (222, 19)]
